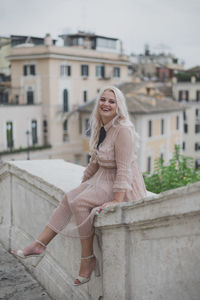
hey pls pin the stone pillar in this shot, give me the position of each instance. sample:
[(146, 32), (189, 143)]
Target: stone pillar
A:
[(115, 264)]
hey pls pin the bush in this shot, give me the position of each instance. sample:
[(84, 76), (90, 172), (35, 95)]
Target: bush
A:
[(179, 172), (20, 149)]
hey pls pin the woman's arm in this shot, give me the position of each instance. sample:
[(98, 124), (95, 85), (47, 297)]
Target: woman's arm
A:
[(91, 168)]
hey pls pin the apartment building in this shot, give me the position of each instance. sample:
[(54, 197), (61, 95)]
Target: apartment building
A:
[(157, 118), (188, 92), (55, 80), (161, 66)]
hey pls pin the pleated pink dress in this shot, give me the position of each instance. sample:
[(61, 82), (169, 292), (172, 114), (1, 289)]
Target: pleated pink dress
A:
[(113, 167)]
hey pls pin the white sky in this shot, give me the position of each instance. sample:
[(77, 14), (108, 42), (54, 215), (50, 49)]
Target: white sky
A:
[(172, 23)]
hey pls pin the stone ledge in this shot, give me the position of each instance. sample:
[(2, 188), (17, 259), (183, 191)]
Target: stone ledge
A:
[(154, 209)]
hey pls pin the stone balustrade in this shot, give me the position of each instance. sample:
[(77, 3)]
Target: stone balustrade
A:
[(147, 250)]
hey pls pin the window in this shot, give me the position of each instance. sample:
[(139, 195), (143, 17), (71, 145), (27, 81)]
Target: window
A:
[(183, 146), (84, 96), (77, 41), (34, 132), (198, 96), (106, 43), (9, 135), (184, 116), (65, 101), (29, 70), (197, 146), (100, 71), (84, 70), (162, 156), (116, 72), (177, 122), (185, 128), (149, 128), (30, 96), (88, 158), (65, 70), (17, 99), (197, 112), (45, 132), (197, 128), (162, 126), (3, 97), (77, 159), (87, 130), (65, 131), (183, 95), (149, 164), (197, 163)]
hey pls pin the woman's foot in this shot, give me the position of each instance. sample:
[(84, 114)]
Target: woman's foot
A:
[(33, 249), (86, 268)]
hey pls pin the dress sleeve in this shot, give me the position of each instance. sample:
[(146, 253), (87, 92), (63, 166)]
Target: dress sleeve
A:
[(91, 168), (124, 153)]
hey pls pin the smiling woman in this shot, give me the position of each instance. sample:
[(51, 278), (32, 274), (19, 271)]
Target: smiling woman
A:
[(112, 176)]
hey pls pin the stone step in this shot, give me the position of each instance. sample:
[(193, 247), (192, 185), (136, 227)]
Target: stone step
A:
[(16, 283)]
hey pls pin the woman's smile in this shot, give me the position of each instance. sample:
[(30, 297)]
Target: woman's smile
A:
[(107, 106)]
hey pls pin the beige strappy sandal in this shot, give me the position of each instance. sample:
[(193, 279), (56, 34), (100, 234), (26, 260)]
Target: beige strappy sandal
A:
[(96, 269), (20, 254)]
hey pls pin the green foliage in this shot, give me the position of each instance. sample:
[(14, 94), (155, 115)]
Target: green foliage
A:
[(20, 149), (179, 172), (183, 77)]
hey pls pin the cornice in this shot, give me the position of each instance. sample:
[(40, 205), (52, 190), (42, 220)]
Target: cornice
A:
[(69, 57)]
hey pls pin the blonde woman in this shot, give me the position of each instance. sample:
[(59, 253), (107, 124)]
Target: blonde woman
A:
[(112, 176)]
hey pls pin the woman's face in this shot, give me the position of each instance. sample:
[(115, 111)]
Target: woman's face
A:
[(107, 106)]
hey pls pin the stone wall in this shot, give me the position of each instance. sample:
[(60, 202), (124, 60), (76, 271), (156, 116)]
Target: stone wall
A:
[(148, 250)]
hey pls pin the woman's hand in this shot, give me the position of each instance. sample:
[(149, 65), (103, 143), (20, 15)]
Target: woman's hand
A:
[(106, 204)]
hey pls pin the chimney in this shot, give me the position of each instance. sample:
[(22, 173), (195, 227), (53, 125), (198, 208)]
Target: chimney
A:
[(48, 40)]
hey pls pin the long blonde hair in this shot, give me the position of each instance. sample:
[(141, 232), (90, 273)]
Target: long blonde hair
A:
[(122, 117)]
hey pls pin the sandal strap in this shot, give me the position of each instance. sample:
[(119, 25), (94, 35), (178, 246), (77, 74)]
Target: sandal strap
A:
[(39, 242), (87, 257)]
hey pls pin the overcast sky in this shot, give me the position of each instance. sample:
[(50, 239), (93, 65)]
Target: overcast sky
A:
[(166, 25)]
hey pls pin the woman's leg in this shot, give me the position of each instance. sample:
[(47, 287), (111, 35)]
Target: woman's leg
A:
[(87, 265)]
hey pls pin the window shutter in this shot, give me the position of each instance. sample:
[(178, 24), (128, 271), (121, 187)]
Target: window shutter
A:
[(180, 96), (69, 70), (103, 71), (32, 69), (25, 70)]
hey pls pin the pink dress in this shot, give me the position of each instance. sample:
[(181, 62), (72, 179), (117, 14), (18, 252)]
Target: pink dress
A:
[(113, 167)]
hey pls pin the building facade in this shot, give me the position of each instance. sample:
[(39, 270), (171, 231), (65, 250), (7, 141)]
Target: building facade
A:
[(161, 66), (58, 79), (189, 93)]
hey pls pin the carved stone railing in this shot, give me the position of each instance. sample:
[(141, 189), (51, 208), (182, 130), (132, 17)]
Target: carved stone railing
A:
[(147, 250)]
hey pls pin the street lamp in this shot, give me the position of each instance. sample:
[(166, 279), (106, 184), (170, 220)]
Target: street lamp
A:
[(27, 133)]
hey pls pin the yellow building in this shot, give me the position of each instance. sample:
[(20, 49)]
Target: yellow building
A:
[(5, 48), (57, 80), (157, 119), (188, 93)]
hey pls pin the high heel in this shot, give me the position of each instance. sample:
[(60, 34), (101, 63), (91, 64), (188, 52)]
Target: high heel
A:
[(96, 269), (20, 254)]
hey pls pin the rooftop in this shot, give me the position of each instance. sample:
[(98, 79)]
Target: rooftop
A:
[(139, 102)]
